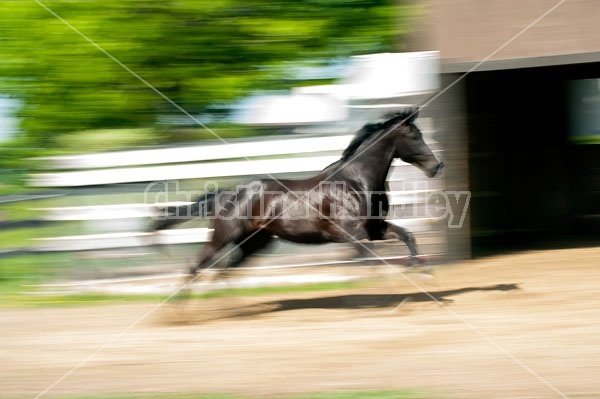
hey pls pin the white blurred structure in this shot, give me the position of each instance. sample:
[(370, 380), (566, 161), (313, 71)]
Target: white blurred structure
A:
[(408, 78), (295, 109), (391, 76)]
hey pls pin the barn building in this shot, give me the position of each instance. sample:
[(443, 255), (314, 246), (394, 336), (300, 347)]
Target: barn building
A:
[(519, 117)]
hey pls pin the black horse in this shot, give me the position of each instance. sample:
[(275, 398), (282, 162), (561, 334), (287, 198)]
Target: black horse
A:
[(345, 202)]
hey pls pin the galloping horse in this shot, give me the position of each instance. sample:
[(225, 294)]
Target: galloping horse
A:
[(345, 202)]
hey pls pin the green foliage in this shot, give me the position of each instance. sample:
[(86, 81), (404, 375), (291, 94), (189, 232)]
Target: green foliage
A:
[(17, 273), (591, 139), (26, 237), (11, 288), (200, 54), (106, 139), (19, 238), (278, 289)]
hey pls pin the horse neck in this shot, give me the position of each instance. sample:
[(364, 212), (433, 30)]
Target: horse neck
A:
[(373, 160)]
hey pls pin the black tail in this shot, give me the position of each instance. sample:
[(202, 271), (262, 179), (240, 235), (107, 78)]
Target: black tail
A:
[(172, 215)]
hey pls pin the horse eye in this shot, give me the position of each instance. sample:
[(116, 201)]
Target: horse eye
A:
[(406, 130)]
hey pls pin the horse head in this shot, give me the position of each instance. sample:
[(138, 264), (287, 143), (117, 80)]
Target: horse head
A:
[(410, 146)]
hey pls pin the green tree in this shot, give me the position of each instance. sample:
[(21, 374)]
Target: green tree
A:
[(197, 52)]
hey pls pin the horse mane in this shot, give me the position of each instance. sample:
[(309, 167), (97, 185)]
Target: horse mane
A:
[(371, 129)]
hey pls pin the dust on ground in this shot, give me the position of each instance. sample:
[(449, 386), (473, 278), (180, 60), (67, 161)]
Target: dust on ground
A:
[(515, 326)]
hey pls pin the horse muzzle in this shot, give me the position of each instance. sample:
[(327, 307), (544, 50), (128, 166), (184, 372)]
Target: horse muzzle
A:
[(436, 170)]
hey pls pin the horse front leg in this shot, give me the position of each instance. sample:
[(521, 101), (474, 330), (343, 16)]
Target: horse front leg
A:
[(407, 237)]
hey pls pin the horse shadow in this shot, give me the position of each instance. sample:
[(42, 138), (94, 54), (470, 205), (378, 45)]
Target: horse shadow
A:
[(349, 302), (372, 301)]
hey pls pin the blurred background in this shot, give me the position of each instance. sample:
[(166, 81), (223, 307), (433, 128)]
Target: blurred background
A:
[(91, 112)]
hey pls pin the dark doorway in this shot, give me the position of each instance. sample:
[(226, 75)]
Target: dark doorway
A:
[(529, 182)]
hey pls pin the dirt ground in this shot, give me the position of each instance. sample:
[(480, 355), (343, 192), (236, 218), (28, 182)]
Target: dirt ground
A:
[(523, 325)]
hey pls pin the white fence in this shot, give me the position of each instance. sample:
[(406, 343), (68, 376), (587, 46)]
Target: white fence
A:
[(110, 168)]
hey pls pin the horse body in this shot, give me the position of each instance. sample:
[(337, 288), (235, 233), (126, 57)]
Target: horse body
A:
[(345, 202), (308, 211)]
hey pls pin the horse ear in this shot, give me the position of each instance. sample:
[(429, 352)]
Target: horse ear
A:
[(414, 113)]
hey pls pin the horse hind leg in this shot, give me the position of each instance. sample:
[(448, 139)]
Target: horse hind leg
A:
[(206, 259), (245, 245), (194, 272), (250, 244)]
